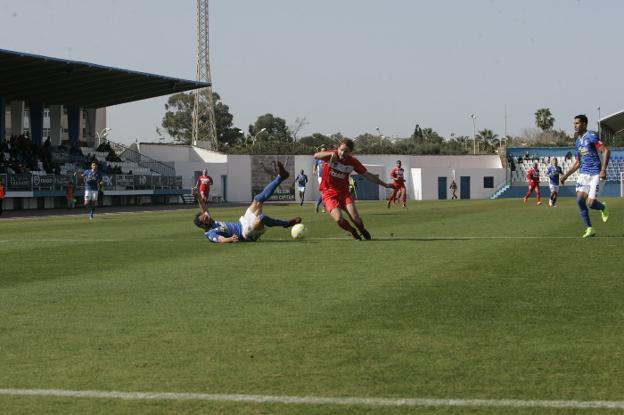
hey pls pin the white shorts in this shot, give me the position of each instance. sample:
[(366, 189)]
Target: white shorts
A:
[(554, 188), (588, 183), (91, 195), (302, 189), (248, 222)]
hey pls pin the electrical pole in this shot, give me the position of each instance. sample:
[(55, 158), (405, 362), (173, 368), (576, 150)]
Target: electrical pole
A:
[(204, 131)]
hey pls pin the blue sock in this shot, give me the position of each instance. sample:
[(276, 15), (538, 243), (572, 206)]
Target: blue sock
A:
[(268, 191), (596, 205), (271, 222), (319, 200), (583, 211), (90, 210)]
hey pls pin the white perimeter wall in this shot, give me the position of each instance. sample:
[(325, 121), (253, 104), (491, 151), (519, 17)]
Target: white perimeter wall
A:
[(422, 177)]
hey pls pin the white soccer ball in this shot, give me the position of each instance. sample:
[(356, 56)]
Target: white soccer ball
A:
[(298, 231)]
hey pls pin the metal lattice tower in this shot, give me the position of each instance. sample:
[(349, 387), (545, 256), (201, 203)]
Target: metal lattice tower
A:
[(204, 130)]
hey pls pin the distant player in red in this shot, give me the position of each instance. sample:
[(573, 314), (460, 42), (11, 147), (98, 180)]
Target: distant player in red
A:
[(398, 185), (533, 177), (335, 186), (203, 183)]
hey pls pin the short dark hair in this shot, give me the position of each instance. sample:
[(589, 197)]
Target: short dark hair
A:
[(582, 117), (199, 223), (348, 142)]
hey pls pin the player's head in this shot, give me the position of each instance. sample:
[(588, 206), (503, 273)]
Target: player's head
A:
[(323, 147), (345, 147), (203, 220), (580, 124), (398, 163), (205, 172), (535, 165), (94, 165), (554, 161), (302, 172)]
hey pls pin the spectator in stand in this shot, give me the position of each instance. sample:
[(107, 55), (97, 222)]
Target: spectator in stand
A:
[(1, 196), (533, 177)]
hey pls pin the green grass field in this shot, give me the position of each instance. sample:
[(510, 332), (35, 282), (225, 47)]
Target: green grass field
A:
[(454, 300)]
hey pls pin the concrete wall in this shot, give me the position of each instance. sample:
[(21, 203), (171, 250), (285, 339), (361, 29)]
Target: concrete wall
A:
[(422, 177)]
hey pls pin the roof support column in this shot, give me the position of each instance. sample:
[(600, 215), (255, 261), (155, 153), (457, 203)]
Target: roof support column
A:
[(56, 128), (73, 125), (36, 123), (17, 117), (2, 118), (90, 128)]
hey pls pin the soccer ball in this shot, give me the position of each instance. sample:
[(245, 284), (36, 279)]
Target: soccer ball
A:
[(298, 231)]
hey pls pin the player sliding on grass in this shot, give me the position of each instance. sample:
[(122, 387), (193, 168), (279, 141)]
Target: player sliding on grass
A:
[(335, 186), (250, 226), (591, 171)]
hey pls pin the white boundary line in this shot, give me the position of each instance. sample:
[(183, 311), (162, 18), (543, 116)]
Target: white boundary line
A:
[(315, 400)]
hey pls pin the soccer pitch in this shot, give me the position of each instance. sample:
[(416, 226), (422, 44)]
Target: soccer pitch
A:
[(455, 307)]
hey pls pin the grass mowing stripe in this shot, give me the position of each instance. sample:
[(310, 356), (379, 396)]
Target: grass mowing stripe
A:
[(316, 400)]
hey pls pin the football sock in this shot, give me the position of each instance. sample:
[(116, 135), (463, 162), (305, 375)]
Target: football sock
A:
[(268, 191), (596, 205), (319, 200), (271, 222), (583, 211), (345, 225)]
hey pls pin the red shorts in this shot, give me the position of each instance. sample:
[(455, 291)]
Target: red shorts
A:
[(336, 201), (534, 186)]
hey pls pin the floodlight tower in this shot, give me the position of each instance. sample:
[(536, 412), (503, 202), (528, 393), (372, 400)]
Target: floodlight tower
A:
[(204, 130)]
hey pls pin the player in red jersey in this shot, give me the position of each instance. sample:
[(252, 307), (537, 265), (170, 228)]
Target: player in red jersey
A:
[(203, 183), (335, 186), (398, 185), (533, 176)]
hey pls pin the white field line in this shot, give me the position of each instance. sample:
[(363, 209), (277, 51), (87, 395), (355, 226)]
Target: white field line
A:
[(315, 400)]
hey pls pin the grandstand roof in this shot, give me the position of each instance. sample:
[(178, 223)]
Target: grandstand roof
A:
[(614, 122), (36, 78)]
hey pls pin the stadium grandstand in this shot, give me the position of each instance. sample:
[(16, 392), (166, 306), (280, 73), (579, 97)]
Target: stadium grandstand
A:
[(65, 101)]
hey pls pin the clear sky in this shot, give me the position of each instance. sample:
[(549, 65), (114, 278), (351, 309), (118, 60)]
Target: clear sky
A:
[(350, 66)]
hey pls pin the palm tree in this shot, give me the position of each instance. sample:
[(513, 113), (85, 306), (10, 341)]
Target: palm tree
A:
[(544, 119), (490, 140)]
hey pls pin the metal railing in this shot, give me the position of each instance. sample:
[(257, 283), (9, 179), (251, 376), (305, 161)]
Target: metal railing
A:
[(142, 160)]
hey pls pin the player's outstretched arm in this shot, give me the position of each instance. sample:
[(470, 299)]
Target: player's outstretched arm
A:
[(231, 239), (375, 179), (567, 174), (200, 201), (607, 154)]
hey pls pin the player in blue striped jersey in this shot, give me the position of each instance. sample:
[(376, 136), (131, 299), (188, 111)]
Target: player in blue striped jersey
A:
[(592, 171), (249, 227)]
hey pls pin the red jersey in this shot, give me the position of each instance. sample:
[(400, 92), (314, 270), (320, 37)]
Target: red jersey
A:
[(398, 176), (336, 174), (533, 175), (204, 183)]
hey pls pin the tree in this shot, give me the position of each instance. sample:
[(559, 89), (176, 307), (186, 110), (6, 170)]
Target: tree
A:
[(178, 120), (544, 119), (489, 139), (273, 129), (296, 127)]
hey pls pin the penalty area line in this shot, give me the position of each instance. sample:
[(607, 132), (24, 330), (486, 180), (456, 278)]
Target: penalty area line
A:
[(315, 400)]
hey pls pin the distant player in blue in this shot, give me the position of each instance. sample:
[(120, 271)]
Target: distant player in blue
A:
[(554, 171), (92, 180), (318, 171), (301, 181), (592, 170), (249, 227)]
